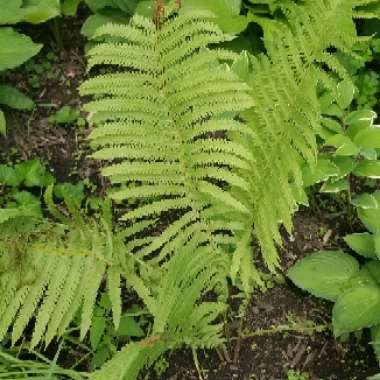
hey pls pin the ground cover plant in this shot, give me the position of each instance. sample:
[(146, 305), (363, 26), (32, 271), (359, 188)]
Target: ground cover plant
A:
[(167, 166)]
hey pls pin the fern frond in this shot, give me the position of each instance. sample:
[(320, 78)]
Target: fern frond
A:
[(53, 273), (286, 113), (164, 120)]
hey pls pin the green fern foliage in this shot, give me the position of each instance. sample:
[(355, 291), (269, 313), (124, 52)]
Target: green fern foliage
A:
[(53, 272), (162, 120), (286, 114), (179, 316)]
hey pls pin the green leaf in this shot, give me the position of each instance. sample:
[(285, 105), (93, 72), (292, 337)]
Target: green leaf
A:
[(8, 176), (3, 127), (362, 243), (359, 120), (345, 165), (38, 11), (373, 267), (331, 186), (70, 7), (325, 273), (346, 91), (15, 49), (368, 168), (64, 115), (344, 145), (332, 125), (129, 327), (12, 97), (97, 330), (368, 138), (356, 309), (366, 201), (321, 172), (93, 22), (33, 174)]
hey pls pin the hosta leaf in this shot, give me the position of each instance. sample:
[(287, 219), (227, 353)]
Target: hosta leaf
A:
[(373, 267), (12, 97), (368, 168), (324, 273), (362, 243), (356, 309), (16, 48)]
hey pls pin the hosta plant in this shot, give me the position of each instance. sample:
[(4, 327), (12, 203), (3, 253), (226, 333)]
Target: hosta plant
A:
[(338, 276)]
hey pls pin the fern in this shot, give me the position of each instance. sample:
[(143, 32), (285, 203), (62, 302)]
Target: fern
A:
[(286, 114), (55, 270), (179, 318), (163, 121)]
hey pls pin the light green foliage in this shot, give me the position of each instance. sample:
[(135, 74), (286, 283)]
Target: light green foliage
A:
[(65, 115), (167, 121), (178, 317), (61, 265), (32, 11), (297, 375), (336, 276), (16, 48), (325, 273), (287, 113)]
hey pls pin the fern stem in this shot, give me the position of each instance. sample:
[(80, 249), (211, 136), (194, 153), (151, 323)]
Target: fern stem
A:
[(197, 365)]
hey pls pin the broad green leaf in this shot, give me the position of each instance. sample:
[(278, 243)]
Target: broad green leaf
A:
[(356, 309), (321, 172), (70, 7), (368, 168), (362, 243), (331, 186), (64, 115), (373, 267), (366, 201), (368, 138), (6, 214), (332, 125), (7, 176), (38, 11), (129, 327), (345, 165), (10, 12), (359, 120), (370, 216), (346, 92), (12, 97), (344, 145), (362, 278), (28, 203), (325, 273), (3, 127), (16, 48), (33, 174), (93, 22), (369, 154)]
